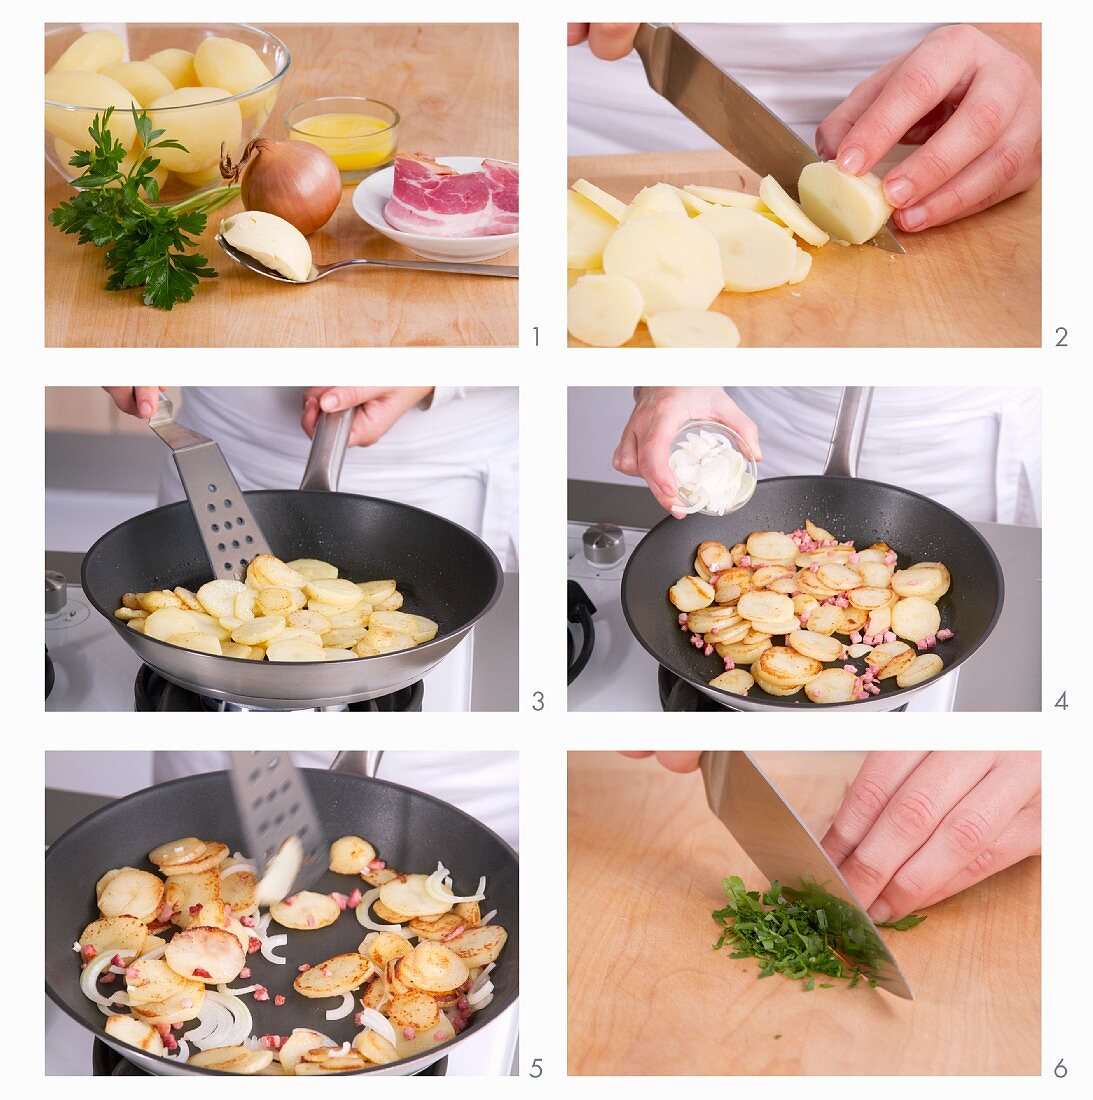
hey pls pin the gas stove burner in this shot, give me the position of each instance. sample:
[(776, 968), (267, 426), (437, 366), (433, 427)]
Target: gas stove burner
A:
[(107, 1062), (154, 692)]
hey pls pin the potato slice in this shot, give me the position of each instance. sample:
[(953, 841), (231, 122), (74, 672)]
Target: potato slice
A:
[(407, 895), (136, 1033), (375, 1048), (330, 653), (879, 622), (437, 928), (880, 655), (120, 935), (875, 574), (898, 664), (850, 208), (263, 628), (724, 196), (479, 946), (924, 667), (309, 620), (842, 578), (833, 685), (273, 601), (691, 328), (150, 981), (588, 230), (869, 599), (659, 198), (825, 619), (169, 622), (382, 947), (379, 877), (299, 1043), (743, 652), (785, 667), (375, 592), (779, 202), (232, 1059), (381, 639), (851, 619), (707, 619), (802, 265), (766, 575), (413, 1010), (765, 606), (775, 689), (238, 889), (728, 633), (334, 977), (736, 680), (674, 262), (613, 207), (324, 1062), (210, 955), (194, 891), (215, 853), (198, 642), (433, 968), (928, 580), (788, 626), (266, 571), (184, 1005), (386, 913), (314, 569), (820, 647), (755, 253), (156, 601), (176, 853), (691, 593), (915, 618), (693, 204), (771, 548), (712, 557), (129, 892), (341, 620), (294, 649), (604, 310), (349, 855), (218, 597), (338, 592), (305, 910)]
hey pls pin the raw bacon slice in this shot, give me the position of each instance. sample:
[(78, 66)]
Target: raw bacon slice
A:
[(434, 200)]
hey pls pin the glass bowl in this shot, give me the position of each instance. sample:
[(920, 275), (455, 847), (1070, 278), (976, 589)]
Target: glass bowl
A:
[(360, 135), (201, 127), (723, 431)]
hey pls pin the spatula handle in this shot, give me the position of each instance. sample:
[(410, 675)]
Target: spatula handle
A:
[(328, 447)]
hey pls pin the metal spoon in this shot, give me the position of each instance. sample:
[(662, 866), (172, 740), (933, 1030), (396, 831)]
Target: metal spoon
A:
[(318, 273)]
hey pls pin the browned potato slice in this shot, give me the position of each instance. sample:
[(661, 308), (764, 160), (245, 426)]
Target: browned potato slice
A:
[(375, 1048), (785, 667), (915, 618), (433, 968), (188, 599), (387, 914), (479, 946), (375, 992), (850, 620), (274, 601), (436, 928), (310, 620), (924, 667), (875, 574), (710, 618), (266, 571), (818, 534), (156, 601), (900, 663), (407, 894), (136, 1033), (833, 685), (825, 619), (232, 1059), (149, 981), (122, 935), (425, 1040), (744, 652), (820, 647), (381, 639), (771, 548), (803, 603), (729, 634), (468, 912), (298, 1044), (210, 955), (417, 627), (880, 655), (869, 599), (809, 583), (196, 890), (769, 607), (334, 976), (726, 582), (840, 577), (322, 1063), (774, 689), (178, 852), (215, 854), (712, 557), (765, 575), (786, 586), (879, 622), (239, 889), (305, 911), (382, 947), (786, 627), (182, 1006), (349, 855), (691, 593), (130, 892), (414, 1010), (375, 592), (127, 614), (380, 876), (344, 637), (736, 681), (392, 603), (930, 580)]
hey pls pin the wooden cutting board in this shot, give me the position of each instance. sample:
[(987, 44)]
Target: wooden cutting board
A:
[(648, 995), (455, 86), (975, 283)]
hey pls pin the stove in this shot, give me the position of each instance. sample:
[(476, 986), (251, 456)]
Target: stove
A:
[(89, 668), (619, 675)]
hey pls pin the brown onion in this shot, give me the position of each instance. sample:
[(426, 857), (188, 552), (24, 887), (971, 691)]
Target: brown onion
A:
[(294, 180)]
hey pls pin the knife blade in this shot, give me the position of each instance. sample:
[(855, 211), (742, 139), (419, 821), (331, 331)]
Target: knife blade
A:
[(780, 844), (726, 111)]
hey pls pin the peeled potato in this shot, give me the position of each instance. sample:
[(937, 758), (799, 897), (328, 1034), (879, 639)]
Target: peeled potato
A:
[(690, 328), (226, 63), (201, 130), (673, 261), (197, 641), (723, 196), (314, 569), (818, 646), (232, 1059), (604, 310), (214, 854), (785, 667), (801, 267), (145, 81), (434, 968), (88, 89), (765, 606), (266, 571), (611, 206), (210, 955), (755, 253), (771, 548), (176, 65), (588, 229), (781, 204), (849, 208), (417, 627), (693, 204), (924, 667), (129, 892), (264, 628), (407, 896), (122, 934), (660, 198), (337, 592), (218, 597), (299, 1043)]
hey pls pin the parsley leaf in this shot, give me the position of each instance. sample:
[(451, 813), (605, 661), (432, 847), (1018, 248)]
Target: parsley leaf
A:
[(904, 923)]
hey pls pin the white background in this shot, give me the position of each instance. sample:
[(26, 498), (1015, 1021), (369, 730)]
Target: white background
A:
[(542, 373)]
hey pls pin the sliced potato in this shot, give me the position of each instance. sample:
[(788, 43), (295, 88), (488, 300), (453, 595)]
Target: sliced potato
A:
[(785, 667), (309, 620), (820, 647), (382, 947), (136, 1033), (177, 853), (413, 1010), (659, 198), (779, 202), (266, 571), (381, 639), (337, 592), (294, 649), (724, 196), (273, 601), (218, 597), (334, 976), (375, 592), (755, 253), (129, 892), (924, 667), (588, 229), (375, 1048), (169, 622), (898, 664), (349, 855), (825, 619), (417, 627), (198, 642), (314, 569), (299, 1043), (232, 1059), (263, 628), (869, 599), (215, 853), (305, 910), (915, 618), (194, 891), (324, 1062), (691, 328), (833, 685), (152, 980), (479, 946), (849, 208), (691, 593), (610, 205), (765, 606), (210, 955), (407, 895), (880, 655), (433, 968), (736, 680), (120, 935), (437, 928), (603, 311), (802, 265)]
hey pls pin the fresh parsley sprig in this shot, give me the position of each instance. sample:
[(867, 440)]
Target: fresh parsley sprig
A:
[(146, 245)]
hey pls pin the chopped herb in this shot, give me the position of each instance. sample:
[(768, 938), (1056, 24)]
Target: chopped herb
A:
[(146, 245), (904, 923), (778, 1036)]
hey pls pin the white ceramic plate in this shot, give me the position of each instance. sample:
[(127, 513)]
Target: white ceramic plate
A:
[(374, 191)]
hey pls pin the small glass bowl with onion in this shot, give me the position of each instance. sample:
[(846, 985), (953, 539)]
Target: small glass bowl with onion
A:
[(714, 469)]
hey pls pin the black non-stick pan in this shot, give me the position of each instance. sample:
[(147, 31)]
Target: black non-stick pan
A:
[(411, 831), (917, 528), (444, 571)]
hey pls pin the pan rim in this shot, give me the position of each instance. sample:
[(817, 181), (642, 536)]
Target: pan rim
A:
[(120, 628), (790, 703), (441, 1050)]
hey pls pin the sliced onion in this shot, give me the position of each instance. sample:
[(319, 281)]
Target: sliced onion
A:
[(365, 920), (223, 988), (712, 475), (235, 868), (486, 920), (269, 945), (377, 1022), (482, 1003), (343, 1010), (437, 888), (225, 1022), (263, 924), (120, 999), (154, 953), (485, 993), (481, 980), (182, 1054), (90, 976)]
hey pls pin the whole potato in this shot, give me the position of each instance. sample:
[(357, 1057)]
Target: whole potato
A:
[(200, 129)]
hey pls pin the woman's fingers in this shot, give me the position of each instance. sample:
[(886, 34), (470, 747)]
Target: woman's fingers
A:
[(139, 401), (831, 132), (984, 114), (653, 459), (576, 33), (956, 839), (878, 779), (625, 459), (610, 41), (673, 761), (1011, 165)]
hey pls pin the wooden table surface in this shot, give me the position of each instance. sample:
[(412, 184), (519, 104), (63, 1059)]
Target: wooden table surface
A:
[(975, 283), (455, 86), (648, 995)]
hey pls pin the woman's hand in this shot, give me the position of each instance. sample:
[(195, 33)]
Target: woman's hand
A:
[(973, 105), (608, 41), (660, 411), (377, 408), (673, 761), (136, 400), (917, 827)]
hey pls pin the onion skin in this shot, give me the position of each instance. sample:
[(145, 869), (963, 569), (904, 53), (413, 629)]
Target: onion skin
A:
[(293, 180)]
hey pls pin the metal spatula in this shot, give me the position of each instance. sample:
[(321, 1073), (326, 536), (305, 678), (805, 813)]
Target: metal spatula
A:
[(275, 805), (231, 535)]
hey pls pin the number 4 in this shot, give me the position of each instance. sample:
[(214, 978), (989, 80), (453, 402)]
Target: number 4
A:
[(1061, 702)]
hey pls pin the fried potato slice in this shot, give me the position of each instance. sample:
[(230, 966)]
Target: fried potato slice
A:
[(127, 614), (214, 855), (825, 619), (706, 619), (337, 592), (188, 599), (479, 946), (898, 664), (374, 592), (808, 582), (262, 628), (869, 599), (766, 574), (305, 910), (733, 632), (382, 947), (294, 649), (210, 955), (167, 622), (407, 894), (744, 652), (771, 607), (375, 992), (149, 981), (915, 618), (136, 1033), (386, 913), (928, 580), (771, 548), (349, 855), (924, 667), (785, 667), (331, 653), (156, 601), (196, 890), (334, 976), (309, 620), (417, 627), (355, 616), (879, 622), (775, 689), (299, 1043), (130, 892), (379, 876), (433, 968), (218, 597), (324, 1062), (436, 928), (121, 935), (691, 593), (198, 642), (833, 685), (840, 577), (820, 647), (177, 853), (787, 627), (818, 534), (375, 1048), (736, 681), (314, 569), (381, 639), (736, 577), (786, 585), (232, 1059), (266, 571), (343, 637), (712, 557), (239, 889), (413, 1010), (875, 574), (804, 603), (273, 601), (880, 655), (851, 619)]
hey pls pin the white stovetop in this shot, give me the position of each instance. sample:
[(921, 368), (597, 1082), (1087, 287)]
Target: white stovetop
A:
[(96, 670), (620, 675)]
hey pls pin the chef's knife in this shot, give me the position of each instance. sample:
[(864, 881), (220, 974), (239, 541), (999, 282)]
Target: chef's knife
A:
[(780, 844), (726, 111)]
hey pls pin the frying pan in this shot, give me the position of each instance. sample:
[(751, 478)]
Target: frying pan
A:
[(445, 573), (408, 829), (917, 528)]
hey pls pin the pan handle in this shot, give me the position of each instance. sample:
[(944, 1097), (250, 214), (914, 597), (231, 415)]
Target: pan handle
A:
[(365, 763), (324, 464), (849, 433)]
